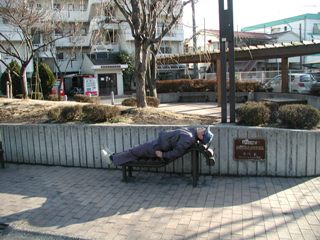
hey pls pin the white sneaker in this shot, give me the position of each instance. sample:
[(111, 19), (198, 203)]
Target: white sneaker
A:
[(106, 153)]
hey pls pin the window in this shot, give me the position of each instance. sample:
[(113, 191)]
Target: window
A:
[(73, 56), (316, 28), (58, 32), (60, 56), (56, 6), (165, 49), (36, 37), (82, 7), (83, 31), (70, 7)]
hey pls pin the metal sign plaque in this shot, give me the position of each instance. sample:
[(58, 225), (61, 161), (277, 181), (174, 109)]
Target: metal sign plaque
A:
[(249, 149)]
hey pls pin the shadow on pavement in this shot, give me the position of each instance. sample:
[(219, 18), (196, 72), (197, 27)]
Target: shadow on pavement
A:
[(59, 196)]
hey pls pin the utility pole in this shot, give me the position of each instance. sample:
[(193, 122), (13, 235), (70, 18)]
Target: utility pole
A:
[(194, 37), (204, 34)]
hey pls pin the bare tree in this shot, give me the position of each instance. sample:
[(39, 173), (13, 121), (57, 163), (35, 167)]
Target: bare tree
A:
[(25, 22), (149, 21)]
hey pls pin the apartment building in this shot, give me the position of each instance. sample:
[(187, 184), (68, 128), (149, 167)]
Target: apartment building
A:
[(99, 35), (305, 27)]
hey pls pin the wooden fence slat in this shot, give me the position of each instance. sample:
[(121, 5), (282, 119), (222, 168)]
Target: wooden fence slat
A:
[(75, 146)]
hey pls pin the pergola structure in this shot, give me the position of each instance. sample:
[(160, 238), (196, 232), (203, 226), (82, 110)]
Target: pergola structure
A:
[(260, 52)]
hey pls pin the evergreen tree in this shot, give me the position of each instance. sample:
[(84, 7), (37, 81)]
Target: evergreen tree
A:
[(16, 79), (47, 78)]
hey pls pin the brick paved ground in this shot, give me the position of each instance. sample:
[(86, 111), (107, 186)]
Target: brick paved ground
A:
[(40, 202)]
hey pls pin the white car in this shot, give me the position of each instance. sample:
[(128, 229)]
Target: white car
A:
[(299, 83)]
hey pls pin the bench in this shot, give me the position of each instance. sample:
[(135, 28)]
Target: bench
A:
[(1, 156), (197, 98), (195, 150)]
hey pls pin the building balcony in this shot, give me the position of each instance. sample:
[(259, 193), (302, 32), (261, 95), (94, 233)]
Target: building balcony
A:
[(70, 66), (72, 16), (80, 41), (111, 48)]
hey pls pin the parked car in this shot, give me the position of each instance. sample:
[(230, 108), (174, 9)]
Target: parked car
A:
[(299, 83), (315, 87)]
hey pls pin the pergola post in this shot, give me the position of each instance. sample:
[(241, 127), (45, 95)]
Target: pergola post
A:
[(218, 78), (284, 75), (227, 45)]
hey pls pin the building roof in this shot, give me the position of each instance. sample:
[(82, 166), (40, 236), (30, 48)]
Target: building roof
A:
[(247, 35), (282, 21)]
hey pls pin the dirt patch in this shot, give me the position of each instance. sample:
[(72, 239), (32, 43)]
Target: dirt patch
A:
[(35, 111)]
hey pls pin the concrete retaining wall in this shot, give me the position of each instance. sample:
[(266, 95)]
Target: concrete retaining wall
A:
[(312, 100), (288, 152), (212, 96)]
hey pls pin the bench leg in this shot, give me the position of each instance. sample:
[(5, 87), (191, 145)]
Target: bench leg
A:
[(1, 159), (124, 173), (194, 165), (130, 171)]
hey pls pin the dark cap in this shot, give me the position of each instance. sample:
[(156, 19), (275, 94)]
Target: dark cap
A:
[(207, 136)]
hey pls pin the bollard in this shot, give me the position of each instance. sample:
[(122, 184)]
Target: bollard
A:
[(112, 98), (65, 98), (1, 156)]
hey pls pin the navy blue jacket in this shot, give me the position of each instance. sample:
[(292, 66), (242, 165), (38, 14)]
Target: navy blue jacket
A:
[(175, 143)]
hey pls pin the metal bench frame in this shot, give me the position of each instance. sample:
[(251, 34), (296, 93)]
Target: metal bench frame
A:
[(1, 156), (195, 150)]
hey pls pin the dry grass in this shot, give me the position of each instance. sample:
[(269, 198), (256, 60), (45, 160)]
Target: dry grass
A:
[(35, 111)]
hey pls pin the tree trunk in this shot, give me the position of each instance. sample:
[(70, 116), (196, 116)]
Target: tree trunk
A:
[(23, 74), (153, 76), (140, 73), (9, 85)]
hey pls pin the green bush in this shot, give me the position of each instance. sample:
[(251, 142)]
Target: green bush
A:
[(36, 95), (54, 97), (299, 116), (132, 102), (253, 114), (274, 111), (88, 113), (202, 85), (71, 113), (99, 113), (247, 86), (153, 102), (54, 114), (86, 99), (186, 85)]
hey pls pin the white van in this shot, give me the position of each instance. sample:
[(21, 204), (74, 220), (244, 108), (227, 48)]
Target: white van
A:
[(299, 83)]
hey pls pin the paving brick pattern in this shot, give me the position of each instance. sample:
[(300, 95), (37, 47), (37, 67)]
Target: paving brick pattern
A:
[(95, 204)]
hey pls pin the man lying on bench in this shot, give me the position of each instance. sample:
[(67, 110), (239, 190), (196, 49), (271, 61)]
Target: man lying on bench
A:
[(170, 145)]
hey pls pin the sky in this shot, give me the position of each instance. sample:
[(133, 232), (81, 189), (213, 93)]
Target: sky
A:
[(246, 12)]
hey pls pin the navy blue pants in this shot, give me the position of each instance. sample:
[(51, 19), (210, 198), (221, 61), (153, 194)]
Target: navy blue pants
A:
[(146, 150)]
